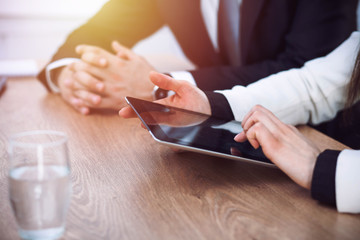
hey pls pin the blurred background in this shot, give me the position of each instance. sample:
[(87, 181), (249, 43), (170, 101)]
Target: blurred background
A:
[(35, 28)]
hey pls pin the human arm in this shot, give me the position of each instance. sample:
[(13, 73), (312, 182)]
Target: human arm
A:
[(313, 93), (125, 75), (317, 27), (126, 21), (332, 177)]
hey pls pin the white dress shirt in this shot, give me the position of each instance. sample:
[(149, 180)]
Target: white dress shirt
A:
[(311, 94)]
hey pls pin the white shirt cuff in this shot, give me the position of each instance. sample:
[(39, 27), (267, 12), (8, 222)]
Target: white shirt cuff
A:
[(347, 181), (59, 63)]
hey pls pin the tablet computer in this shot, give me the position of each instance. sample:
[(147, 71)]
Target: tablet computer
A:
[(195, 131)]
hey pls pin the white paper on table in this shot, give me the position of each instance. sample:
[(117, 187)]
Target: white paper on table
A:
[(18, 68)]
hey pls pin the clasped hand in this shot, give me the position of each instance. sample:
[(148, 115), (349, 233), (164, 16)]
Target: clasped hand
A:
[(101, 79)]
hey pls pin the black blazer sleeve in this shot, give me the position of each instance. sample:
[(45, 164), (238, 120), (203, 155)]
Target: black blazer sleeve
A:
[(316, 28), (323, 181), (127, 21)]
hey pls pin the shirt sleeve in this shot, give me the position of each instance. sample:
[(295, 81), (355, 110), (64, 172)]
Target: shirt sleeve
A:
[(336, 180), (348, 181), (219, 105), (323, 181), (313, 93)]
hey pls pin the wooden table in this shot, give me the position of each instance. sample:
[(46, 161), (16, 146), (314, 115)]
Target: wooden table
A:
[(127, 186)]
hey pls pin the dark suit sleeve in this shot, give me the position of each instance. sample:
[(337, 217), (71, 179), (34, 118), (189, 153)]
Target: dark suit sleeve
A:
[(317, 28), (219, 105), (323, 181), (126, 21)]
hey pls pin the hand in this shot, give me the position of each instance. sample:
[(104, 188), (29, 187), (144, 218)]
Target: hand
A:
[(66, 81), (187, 96), (283, 144), (102, 80), (122, 74)]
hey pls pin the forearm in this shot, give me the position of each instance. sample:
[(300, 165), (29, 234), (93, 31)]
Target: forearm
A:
[(317, 28), (314, 93), (124, 21)]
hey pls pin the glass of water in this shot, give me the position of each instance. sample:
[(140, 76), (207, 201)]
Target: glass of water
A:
[(39, 183)]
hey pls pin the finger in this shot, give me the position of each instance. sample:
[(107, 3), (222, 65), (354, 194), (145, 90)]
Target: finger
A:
[(259, 135), (271, 145), (247, 116), (264, 110), (69, 83), (260, 116), (253, 133), (67, 94), (72, 84), (143, 126), (274, 119), (127, 112), (83, 48), (77, 104), (165, 82), (94, 59), (88, 68), (90, 99), (121, 51), (89, 82), (241, 137)]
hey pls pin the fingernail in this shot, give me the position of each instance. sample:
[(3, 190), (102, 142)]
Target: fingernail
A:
[(84, 110), (103, 61), (237, 137), (96, 99), (100, 86)]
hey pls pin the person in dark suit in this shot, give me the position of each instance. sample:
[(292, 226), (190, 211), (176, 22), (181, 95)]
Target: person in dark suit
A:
[(273, 35)]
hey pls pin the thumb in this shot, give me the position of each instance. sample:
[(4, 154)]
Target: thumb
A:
[(127, 112)]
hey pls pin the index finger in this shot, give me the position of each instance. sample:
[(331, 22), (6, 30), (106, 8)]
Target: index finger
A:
[(165, 82)]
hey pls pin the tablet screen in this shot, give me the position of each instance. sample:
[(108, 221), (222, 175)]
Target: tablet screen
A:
[(195, 131)]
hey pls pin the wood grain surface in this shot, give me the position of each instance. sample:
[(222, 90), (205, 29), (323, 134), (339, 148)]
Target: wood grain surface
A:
[(126, 186)]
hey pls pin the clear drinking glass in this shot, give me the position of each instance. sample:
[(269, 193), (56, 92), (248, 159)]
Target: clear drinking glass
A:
[(39, 183)]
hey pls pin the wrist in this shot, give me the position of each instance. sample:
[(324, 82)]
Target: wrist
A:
[(54, 71)]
